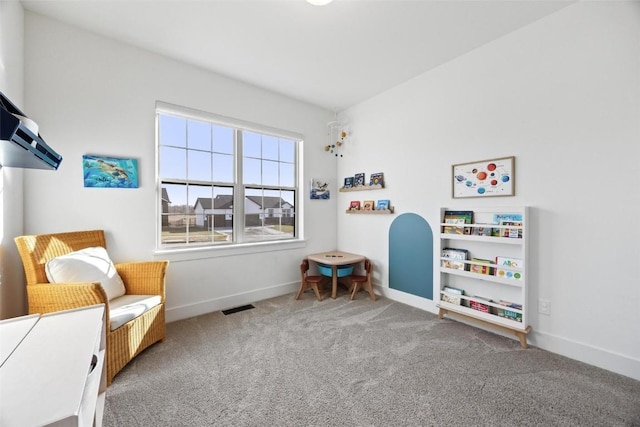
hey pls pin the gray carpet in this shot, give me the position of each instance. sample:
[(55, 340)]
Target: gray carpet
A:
[(357, 363)]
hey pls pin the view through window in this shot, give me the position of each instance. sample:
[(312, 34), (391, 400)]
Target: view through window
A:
[(224, 183)]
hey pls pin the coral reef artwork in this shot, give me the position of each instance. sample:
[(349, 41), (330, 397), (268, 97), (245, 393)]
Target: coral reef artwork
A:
[(110, 172)]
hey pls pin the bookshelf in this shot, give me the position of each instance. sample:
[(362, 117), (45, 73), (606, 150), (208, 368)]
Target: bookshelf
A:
[(496, 240)]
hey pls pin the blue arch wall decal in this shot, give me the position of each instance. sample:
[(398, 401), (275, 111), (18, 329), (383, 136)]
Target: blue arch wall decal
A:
[(411, 255)]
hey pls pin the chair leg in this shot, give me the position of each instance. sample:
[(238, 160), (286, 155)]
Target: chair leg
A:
[(356, 288), (369, 288), (317, 291), (303, 287)]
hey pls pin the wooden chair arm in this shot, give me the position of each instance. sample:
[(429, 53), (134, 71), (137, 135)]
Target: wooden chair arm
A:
[(143, 278), (48, 297)]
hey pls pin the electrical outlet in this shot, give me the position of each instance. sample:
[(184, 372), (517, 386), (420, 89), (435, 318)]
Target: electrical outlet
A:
[(544, 306)]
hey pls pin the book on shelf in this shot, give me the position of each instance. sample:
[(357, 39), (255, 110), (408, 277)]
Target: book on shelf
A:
[(358, 180), (457, 218), (367, 205), (376, 179), (383, 205), (510, 268), (348, 182), (478, 266), (453, 290), (454, 257), (354, 205), (482, 230), (512, 230), (452, 295), (498, 219)]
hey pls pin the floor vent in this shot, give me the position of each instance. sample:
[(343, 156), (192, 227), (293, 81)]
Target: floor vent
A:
[(237, 309)]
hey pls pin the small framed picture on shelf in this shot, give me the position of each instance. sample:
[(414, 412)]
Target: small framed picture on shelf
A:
[(354, 205), (382, 205), (376, 179), (348, 182), (358, 180), (367, 205)]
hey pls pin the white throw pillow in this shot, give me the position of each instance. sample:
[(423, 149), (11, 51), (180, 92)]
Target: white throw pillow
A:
[(86, 265)]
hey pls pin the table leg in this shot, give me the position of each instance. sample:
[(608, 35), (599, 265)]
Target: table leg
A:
[(334, 277)]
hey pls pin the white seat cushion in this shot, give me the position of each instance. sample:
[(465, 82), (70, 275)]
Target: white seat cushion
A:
[(86, 265), (128, 307)]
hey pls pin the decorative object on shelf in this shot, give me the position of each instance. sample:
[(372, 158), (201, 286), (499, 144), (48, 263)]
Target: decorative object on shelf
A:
[(319, 189), (354, 205), (109, 172), (348, 182), (485, 178), (337, 137), (358, 180), (377, 179), (382, 205), (367, 205)]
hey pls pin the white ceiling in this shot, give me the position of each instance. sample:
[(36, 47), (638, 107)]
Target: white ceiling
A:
[(333, 56)]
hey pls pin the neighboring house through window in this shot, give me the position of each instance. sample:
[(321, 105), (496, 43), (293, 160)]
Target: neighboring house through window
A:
[(224, 181)]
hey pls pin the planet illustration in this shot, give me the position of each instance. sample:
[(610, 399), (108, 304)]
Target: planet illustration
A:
[(491, 166), (481, 176)]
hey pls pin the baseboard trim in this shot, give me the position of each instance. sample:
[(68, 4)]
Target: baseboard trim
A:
[(594, 356), (218, 304)]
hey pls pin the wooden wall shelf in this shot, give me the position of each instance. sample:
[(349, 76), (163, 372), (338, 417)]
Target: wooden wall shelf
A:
[(374, 212), (361, 188)]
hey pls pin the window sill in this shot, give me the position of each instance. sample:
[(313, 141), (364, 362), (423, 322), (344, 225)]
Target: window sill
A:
[(204, 252)]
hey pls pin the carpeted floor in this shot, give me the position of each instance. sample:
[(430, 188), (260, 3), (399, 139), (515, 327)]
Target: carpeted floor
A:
[(357, 363)]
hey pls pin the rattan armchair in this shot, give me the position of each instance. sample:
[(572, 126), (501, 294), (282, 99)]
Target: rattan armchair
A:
[(140, 278)]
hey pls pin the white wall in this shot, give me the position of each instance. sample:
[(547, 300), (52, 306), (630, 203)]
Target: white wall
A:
[(92, 95), (563, 96), (12, 292)]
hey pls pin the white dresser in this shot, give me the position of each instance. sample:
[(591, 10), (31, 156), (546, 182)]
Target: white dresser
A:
[(52, 369)]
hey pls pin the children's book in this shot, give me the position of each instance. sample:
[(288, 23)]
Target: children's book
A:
[(510, 268), (454, 256), (513, 229), (348, 182), (478, 267), (367, 205), (358, 180), (376, 179), (354, 205), (457, 218), (382, 205)]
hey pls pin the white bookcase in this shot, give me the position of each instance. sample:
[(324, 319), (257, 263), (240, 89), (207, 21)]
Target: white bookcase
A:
[(486, 291)]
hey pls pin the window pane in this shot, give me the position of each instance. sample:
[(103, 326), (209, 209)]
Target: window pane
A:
[(269, 172), (287, 175), (199, 165), (174, 213), (264, 216), (173, 163), (251, 145), (199, 135), (222, 219), (222, 139), (287, 150), (251, 171), (269, 147), (173, 131), (223, 168)]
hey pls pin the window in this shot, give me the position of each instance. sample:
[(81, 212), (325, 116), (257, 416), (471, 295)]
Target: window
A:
[(223, 181)]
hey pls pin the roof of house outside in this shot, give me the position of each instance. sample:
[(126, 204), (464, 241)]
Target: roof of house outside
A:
[(226, 202)]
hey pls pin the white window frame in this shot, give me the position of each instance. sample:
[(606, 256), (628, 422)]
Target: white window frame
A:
[(194, 251)]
